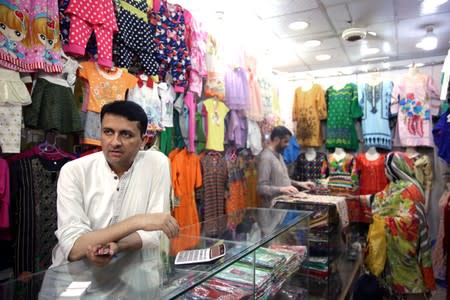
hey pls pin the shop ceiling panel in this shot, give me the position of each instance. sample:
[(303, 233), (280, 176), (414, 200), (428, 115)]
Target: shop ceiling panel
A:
[(354, 52), (293, 68), (284, 59), (364, 13), (334, 2), (274, 8), (318, 23), (413, 8), (337, 56), (327, 43), (339, 16)]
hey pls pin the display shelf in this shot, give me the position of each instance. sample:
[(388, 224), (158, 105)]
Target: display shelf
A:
[(151, 274), (331, 279)]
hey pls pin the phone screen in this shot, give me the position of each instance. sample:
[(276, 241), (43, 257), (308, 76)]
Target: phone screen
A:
[(217, 251)]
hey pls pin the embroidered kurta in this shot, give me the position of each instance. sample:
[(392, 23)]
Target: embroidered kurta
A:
[(375, 103), (310, 169), (415, 101), (343, 110), (372, 178), (309, 108)]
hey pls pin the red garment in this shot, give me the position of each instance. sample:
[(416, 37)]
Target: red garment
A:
[(4, 200), (372, 178), (49, 155)]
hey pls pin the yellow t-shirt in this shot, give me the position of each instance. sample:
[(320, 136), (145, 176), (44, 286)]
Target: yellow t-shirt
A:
[(217, 111), (105, 87)]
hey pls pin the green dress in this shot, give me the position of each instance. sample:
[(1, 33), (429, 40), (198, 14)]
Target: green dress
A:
[(343, 110)]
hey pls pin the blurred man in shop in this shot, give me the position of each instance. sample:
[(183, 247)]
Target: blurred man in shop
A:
[(113, 201), (273, 177)]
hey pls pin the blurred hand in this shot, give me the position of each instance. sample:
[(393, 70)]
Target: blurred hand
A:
[(289, 190), (307, 185), (159, 221), (101, 255), (301, 195)]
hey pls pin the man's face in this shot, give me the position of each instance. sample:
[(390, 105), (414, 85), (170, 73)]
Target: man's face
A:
[(121, 140), (281, 144)]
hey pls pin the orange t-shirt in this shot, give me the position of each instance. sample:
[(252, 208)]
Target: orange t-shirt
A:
[(105, 87)]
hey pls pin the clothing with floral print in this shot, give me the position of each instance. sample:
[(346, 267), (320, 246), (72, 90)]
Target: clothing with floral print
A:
[(416, 100)]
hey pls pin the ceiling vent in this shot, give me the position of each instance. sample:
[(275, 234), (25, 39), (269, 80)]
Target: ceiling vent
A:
[(354, 34)]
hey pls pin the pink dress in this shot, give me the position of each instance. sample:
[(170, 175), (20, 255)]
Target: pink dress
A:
[(416, 99), (4, 200)]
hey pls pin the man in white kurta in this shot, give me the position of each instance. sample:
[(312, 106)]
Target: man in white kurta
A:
[(113, 201)]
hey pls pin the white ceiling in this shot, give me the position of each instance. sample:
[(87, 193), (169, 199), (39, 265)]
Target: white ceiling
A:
[(401, 23)]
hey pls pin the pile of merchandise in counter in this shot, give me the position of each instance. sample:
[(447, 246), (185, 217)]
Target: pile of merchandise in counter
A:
[(273, 266)]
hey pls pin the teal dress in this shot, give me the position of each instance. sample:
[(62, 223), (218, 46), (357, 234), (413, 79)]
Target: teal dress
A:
[(343, 111)]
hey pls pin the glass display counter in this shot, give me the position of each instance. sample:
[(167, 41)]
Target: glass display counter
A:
[(264, 247)]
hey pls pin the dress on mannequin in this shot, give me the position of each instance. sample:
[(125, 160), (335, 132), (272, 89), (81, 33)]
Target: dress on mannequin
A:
[(308, 109), (310, 165), (372, 178)]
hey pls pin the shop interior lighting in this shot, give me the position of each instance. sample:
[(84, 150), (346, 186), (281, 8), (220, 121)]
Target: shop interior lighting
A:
[(300, 25), (312, 43), (429, 41), (323, 57)]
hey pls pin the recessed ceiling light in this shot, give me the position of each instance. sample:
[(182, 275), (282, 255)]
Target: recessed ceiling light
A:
[(323, 57), (418, 65), (386, 47), (369, 51), (312, 43), (429, 41), (300, 25), (386, 65), (372, 33)]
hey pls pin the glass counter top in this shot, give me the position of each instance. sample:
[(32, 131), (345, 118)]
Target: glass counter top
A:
[(151, 273)]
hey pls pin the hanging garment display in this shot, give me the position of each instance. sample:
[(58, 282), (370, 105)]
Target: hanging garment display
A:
[(441, 134), (217, 111), (308, 110), (372, 178), (310, 169), (375, 101), (416, 100), (87, 16), (343, 110), (30, 40)]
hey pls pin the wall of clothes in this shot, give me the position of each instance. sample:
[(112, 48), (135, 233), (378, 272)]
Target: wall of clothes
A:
[(210, 106)]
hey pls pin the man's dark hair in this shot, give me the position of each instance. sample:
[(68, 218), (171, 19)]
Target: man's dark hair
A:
[(129, 110), (280, 132)]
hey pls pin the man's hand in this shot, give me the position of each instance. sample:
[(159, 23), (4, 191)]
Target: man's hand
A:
[(101, 255), (307, 185), (300, 195), (159, 221), (289, 190)]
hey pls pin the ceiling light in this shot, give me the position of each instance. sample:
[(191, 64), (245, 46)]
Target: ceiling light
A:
[(386, 65), (386, 47), (434, 2), (365, 50), (323, 57), (430, 6), (374, 58), (364, 68), (312, 43), (418, 65), (429, 41), (372, 33), (298, 25)]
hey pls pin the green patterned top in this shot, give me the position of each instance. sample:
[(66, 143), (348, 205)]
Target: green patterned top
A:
[(343, 110)]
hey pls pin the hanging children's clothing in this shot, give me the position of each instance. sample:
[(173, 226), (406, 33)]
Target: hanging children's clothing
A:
[(343, 110), (87, 16), (309, 109), (167, 95), (53, 107), (135, 36), (215, 85), (186, 177), (255, 111), (4, 200), (30, 39), (416, 100), (146, 95), (172, 52), (254, 137), (217, 111), (104, 86), (215, 179), (198, 70), (236, 129), (12, 89), (375, 103)]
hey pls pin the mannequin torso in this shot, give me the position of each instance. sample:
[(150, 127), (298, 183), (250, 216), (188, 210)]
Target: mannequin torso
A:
[(310, 154), (339, 153), (372, 154)]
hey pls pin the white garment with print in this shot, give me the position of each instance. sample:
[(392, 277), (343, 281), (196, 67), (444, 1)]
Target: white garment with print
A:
[(12, 90), (254, 137), (10, 126), (149, 100), (167, 95)]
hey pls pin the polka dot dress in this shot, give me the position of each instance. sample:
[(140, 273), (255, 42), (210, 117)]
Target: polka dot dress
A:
[(135, 39)]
